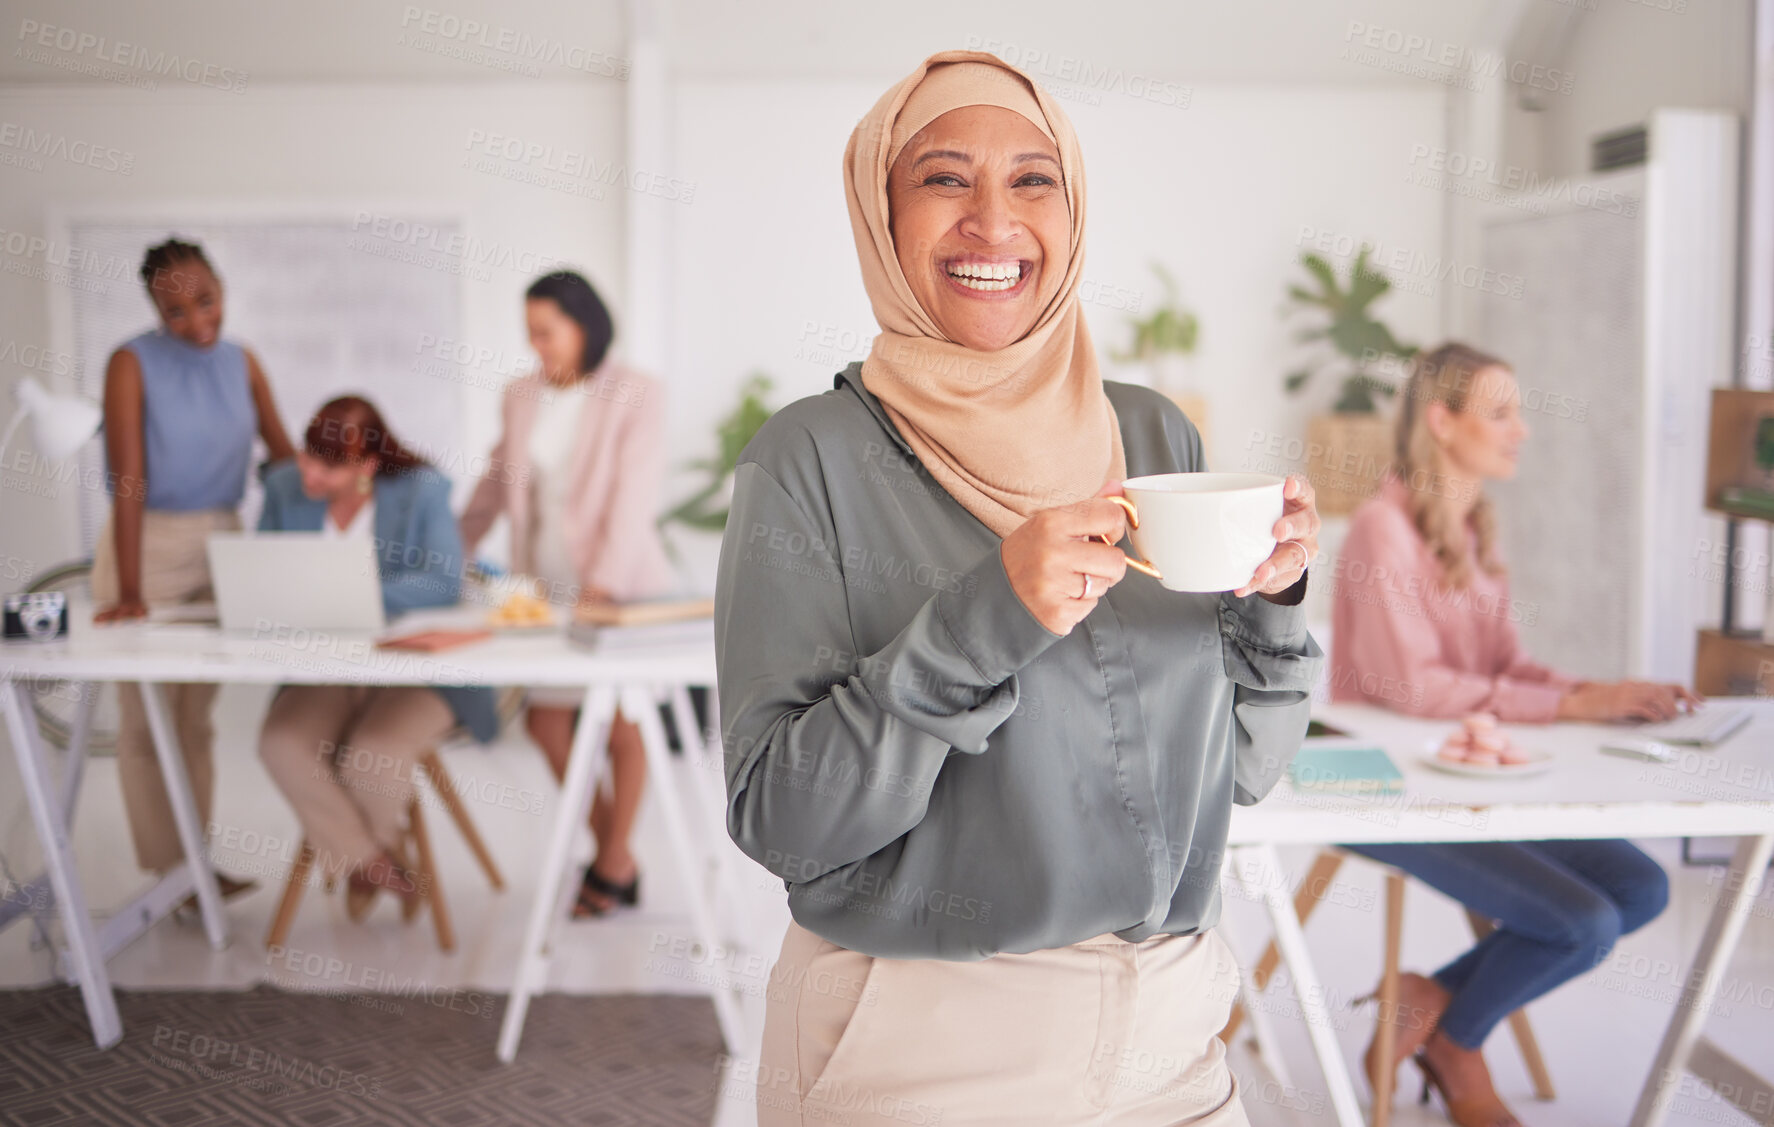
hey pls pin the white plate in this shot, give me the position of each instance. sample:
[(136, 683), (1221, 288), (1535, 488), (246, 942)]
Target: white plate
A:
[(1539, 762)]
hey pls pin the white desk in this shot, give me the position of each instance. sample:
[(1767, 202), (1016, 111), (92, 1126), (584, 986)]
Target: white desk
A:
[(1725, 791), (153, 654), (1728, 791)]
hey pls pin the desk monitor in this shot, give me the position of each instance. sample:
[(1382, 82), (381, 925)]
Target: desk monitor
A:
[(295, 579)]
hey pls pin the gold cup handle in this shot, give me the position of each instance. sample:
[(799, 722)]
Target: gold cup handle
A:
[(1133, 521)]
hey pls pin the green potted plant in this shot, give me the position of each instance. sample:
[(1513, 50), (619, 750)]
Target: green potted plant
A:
[(1360, 344), (706, 509), (1764, 451), (1163, 343), (1351, 447), (1163, 340)]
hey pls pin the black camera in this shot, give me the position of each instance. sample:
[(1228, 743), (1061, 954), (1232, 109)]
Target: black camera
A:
[(38, 617)]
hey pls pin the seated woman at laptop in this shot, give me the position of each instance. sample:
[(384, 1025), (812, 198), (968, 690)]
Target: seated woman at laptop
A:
[(576, 473), (344, 754), (1422, 622), (182, 409)]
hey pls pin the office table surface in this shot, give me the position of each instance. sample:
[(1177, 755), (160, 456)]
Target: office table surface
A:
[(165, 652), (1724, 790), (632, 672), (1720, 791)]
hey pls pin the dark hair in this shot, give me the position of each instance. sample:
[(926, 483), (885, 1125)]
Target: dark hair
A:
[(579, 301), (169, 254), (349, 429)]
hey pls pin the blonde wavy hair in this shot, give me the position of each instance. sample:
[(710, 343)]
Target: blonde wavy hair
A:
[(1444, 375)]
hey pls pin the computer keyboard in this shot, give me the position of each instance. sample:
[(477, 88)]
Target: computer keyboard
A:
[(1708, 726)]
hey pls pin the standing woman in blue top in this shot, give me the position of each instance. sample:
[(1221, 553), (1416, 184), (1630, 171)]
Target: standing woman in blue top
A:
[(182, 408), (344, 755)]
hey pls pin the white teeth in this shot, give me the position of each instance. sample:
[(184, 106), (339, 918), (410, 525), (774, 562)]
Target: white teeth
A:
[(986, 276)]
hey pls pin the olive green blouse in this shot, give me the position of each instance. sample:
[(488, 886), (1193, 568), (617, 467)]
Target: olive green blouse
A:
[(931, 771)]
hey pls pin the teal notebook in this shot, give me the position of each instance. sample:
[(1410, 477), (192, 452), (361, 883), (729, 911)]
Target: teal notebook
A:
[(1345, 770)]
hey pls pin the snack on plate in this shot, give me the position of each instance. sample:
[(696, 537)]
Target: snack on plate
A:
[(520, 609), (1479, 742)]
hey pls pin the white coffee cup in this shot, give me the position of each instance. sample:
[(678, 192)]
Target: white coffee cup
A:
[(1202, 531)]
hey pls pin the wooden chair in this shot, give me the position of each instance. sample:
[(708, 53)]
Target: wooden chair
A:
[(430, 886), (1306, 898)]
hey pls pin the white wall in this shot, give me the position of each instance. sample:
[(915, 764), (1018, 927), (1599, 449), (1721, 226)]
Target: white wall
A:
[(1271, 41), (761, 271), (310, 148), (765, 267), (1629, 57)]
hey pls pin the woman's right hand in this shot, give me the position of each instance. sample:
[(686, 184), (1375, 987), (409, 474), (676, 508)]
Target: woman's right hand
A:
[(121, 610), (1624, 700), (1049, 556)]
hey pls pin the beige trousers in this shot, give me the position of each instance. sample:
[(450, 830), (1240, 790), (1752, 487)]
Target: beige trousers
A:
[(1104, 1032), (175, 569), (344, 756)]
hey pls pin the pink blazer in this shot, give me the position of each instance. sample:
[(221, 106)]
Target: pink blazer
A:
[(614, 470), (1402, 641)]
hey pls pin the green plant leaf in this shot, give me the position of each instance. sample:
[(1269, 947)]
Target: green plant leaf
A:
[(1359, 338), (1327, 277), (1355, 399), (1170, 329), (1347, 325), (1167, 281), (714, 521), (732, 434)]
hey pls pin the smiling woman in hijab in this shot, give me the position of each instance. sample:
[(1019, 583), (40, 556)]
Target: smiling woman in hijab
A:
[(993, 768)]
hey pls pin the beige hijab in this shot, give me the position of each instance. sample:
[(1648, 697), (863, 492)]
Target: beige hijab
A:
[(1009, 432)]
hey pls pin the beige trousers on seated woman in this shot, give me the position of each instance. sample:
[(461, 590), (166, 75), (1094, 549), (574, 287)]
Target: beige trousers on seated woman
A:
[(175, 569), (344, 756), (1103, 1032)]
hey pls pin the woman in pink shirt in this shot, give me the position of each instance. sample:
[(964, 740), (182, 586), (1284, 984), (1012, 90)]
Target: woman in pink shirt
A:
[(576, 473), (1423, 623)]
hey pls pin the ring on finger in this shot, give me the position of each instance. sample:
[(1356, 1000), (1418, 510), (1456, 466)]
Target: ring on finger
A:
[(1088, 582)]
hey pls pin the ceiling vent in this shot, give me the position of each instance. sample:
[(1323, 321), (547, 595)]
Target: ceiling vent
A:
[(1622, 148)]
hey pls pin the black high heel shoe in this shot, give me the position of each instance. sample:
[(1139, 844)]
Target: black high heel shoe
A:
[(592, 885)]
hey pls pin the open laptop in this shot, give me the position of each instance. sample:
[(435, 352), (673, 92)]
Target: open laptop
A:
[(299, 580)]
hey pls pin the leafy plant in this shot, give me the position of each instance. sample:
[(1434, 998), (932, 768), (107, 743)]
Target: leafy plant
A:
[(1170, 329), (1358, 340), (703, 510), (1764, 447)]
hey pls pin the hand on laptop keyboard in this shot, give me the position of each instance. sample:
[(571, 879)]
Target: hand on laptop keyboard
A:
[(1625, 700)]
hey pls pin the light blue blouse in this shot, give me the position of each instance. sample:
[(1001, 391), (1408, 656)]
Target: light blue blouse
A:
[(198, 421)]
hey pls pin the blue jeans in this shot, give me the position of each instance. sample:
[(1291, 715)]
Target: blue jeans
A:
[(1559, 907)]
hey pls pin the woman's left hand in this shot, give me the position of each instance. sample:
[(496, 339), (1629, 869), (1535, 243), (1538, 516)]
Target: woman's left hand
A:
[(1296, 534)]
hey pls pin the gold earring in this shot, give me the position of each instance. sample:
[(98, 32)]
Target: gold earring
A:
[(363, 485)]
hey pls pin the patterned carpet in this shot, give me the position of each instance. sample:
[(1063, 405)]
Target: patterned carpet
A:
[(269, 1056)]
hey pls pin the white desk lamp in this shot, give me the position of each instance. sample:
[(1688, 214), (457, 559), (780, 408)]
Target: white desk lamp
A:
[(60, 424)]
